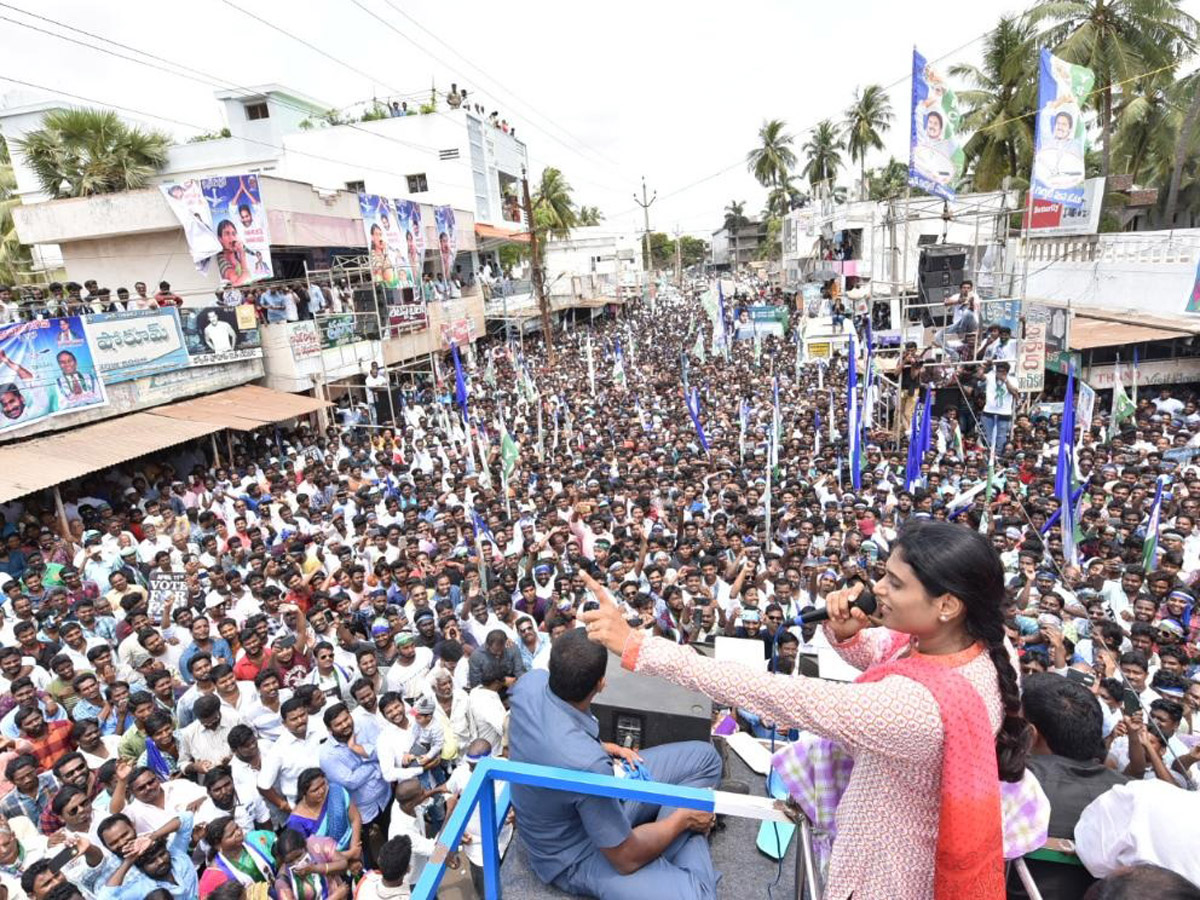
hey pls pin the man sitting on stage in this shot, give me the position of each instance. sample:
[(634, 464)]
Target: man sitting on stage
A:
[(598, 846)]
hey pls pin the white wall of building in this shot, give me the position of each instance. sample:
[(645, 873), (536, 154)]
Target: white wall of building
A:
[(1130, 273)]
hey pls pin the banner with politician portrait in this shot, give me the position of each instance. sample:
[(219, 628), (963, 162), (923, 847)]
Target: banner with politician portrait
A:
[(384, 242), (447, 238), (223, 219), (1058, 159), (218, 335), (936, 157), (240, 223), (412, 230), (46, 369)]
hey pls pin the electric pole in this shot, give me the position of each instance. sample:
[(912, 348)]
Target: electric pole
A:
[(539, 287), (645, 205)]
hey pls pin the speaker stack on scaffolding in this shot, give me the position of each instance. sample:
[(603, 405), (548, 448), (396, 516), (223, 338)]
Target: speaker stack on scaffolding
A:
[(940, 272)]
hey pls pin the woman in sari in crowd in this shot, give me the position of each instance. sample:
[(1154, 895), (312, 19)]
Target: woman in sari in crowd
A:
[(309, 869), (324, 810), (235, 855)]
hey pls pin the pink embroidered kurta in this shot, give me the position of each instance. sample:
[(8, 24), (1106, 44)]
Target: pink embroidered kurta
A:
[(887, 822)]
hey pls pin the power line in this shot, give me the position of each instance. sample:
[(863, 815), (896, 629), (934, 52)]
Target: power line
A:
[(310, 46), (507, 90), (807, 128), (442, 62), (199, 76)]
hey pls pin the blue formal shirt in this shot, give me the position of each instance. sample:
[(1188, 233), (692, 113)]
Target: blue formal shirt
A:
[(560, 828), (220, 649), (186, 885), (358, 775)]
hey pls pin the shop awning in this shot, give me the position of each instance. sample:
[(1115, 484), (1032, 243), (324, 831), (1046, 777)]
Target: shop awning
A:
[(1089, 333), (242, 408), (46, 461), (43, 462), (489, 232)]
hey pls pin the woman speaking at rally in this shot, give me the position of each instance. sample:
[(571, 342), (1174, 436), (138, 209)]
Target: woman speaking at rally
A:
[(933, 723)]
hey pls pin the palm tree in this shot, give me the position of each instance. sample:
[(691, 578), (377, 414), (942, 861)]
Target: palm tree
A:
[(868, 116), (1118, 40), (589, 215), (823, 153), (998, 108), (554, 215), (888, 182), (735, 215), (1145, 130), (786, 197), (772, 161), (81, 152), (554, 211), (15, 258), (1189, 91)]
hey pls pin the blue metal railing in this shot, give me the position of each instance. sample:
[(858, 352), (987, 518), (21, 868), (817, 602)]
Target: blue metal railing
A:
[(482, 788)]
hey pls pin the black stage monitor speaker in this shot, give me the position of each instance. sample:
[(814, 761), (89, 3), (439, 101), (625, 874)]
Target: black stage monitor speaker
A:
[(940, 273), (641, 711)]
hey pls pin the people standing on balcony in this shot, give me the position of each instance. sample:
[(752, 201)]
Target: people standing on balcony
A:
[(454, 98), (275, 305), (165, 296)]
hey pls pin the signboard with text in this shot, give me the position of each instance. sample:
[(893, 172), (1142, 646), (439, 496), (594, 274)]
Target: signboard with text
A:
[(1031, 359), (128, 345), (337, 330), (304, 339)]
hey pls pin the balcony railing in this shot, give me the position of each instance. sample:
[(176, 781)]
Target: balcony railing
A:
[(492, 773)]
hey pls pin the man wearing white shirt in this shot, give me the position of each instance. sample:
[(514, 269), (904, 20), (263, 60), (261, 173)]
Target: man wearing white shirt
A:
[(394, 748), (486, 714), (406, 676), (152, 545), (245, 767), (294, 751), (1000, 390)]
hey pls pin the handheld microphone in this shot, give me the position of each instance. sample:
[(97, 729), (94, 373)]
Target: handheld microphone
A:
[(865, 601)]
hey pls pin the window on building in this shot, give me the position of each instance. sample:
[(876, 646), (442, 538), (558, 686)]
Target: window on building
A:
[(357, 186), (257, 111), (418, 184)]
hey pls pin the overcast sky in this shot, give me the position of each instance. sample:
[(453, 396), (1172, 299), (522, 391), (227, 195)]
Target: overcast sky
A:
[(607, 92)]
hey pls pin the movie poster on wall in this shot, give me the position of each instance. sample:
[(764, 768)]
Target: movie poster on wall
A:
[(219, 335)]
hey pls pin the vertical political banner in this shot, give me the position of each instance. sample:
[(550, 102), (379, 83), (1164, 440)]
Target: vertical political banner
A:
[(223, 218), (935, 153), (408, 218), (46, 369), (383, 241), (240, 223), (1058, 160), (186, 200), (447, 237)]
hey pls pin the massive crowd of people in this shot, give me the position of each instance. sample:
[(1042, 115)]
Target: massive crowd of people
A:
[(272, 674)]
